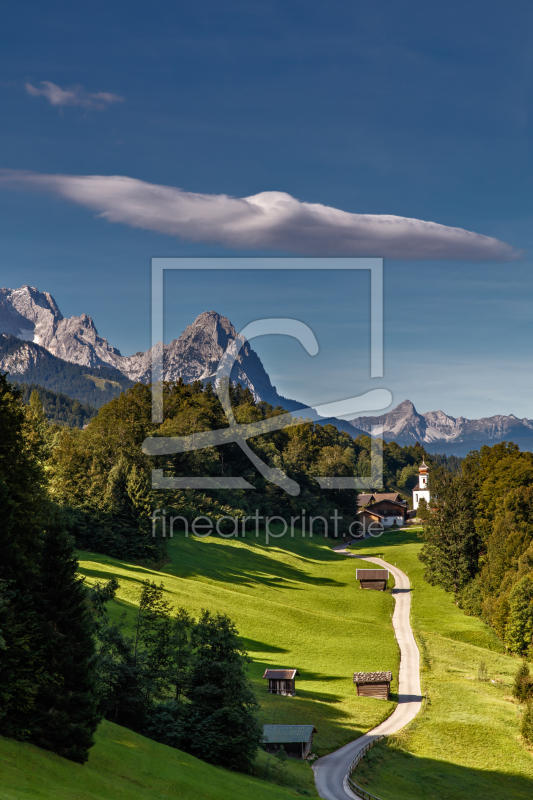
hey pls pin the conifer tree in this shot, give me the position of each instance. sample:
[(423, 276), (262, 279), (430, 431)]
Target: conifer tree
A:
[(22, 505), (523, 683), (221, 723), (526, 725), (181, 650), (519, 627), (451, 542), (67, 712)]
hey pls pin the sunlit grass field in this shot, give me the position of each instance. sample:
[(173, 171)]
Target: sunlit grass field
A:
[(466, 743), (296, 604), (123, 766)]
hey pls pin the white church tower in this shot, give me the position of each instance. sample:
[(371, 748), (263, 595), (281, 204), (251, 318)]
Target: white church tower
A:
[(421, 491)]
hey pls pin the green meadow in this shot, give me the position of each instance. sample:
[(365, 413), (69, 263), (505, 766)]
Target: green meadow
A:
[(124, 766), (466, 743), (296, 604)]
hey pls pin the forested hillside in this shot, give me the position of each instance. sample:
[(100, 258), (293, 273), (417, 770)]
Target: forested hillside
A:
[(103, 477), (479, 540), (59, 408), (28, 363)]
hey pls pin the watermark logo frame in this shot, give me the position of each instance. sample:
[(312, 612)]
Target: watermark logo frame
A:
[(375, 400)]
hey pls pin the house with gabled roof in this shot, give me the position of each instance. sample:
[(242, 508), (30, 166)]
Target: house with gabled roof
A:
[(386, 508)]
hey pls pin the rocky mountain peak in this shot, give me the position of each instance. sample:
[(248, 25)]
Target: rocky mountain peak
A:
[(32, 315), (209, 327), (405, 405), (28, 313)]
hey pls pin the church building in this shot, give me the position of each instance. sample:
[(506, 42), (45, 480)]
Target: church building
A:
[(421, 490)]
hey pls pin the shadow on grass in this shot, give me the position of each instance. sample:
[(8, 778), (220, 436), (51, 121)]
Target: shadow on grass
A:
[(115, 563), (388, 540), (335, 727), (107, 574), (247, 566), (253, 646), (390, 772)]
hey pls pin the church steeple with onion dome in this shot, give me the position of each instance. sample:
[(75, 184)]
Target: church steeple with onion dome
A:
[(421, 490)]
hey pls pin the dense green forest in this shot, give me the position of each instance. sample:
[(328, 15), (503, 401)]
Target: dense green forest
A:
[(88, 385), (59, 408), (103, 478), (47, 649), (479, 539)]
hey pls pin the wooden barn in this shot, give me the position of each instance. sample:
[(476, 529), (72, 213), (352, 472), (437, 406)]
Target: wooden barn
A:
[(282, 681), (373, 578), (373, 684), (296, 740)]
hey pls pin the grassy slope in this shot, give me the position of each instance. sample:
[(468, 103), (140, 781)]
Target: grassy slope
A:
[(466, 743), (101, 382), (296, 604), (122, 766)]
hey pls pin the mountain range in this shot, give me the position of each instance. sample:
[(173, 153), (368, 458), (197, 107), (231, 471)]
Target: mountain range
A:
[(440, 433), (34, 316), (38, 341)]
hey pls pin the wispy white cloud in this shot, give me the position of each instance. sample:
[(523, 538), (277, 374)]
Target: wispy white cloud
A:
[(75, 96), (265, 221)]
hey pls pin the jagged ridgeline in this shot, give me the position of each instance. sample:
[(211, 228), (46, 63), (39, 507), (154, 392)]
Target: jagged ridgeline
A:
[(29, 363)]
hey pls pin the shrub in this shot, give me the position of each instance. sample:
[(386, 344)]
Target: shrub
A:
[(526, 727), (523, 683)]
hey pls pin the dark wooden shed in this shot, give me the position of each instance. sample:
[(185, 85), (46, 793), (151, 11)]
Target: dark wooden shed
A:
[(296, 740), (282, 681), (373, 578), (373, 684)]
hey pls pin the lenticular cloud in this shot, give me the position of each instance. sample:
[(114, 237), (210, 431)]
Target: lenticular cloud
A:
[(265, 221)]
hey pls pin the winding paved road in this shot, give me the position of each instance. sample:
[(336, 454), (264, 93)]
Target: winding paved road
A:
[(331, 771)]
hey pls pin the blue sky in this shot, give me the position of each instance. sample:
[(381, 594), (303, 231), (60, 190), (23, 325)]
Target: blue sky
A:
[(398, 109)]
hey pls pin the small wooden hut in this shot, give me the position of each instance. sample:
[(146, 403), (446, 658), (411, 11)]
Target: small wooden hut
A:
[(282, 681), (373, 578), (296, 740), (373, 684)]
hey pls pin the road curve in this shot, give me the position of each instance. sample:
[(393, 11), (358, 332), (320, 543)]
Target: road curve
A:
[(331, 771)]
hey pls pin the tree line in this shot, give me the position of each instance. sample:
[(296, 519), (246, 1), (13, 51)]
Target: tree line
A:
[(102, 478), (59, 409), (478, 540)]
